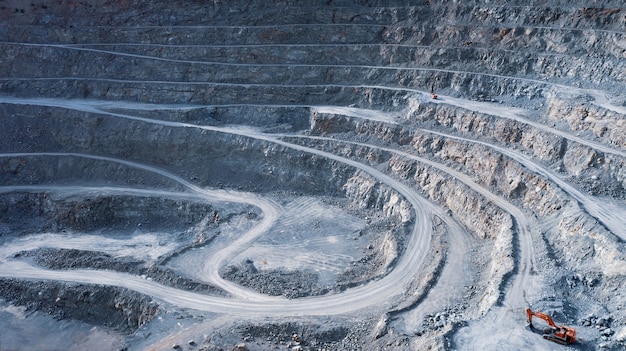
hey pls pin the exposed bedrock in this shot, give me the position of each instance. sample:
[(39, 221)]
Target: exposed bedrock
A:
[(229, 153), (598, 172), (88, 211), (590, 242), (589, 119), (105, 306), (221, 159)]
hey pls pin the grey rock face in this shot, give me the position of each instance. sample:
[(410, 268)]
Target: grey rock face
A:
[(150, 141)]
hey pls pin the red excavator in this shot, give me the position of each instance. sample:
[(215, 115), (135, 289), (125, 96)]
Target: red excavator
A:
[(557, 333), (432, 93)]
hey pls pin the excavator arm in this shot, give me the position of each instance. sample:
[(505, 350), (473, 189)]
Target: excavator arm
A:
[(541, 315)]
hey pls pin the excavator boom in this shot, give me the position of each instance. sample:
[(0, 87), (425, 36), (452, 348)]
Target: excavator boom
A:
[(557, 333)]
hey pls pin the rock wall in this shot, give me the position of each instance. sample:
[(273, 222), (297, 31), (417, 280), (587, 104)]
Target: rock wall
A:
[(105, 306)]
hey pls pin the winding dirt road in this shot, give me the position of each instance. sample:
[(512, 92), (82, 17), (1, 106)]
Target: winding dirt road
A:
[(383, 292)]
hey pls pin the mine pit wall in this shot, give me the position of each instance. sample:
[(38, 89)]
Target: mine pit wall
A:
[(535, 57), (478, 215), (110, 307), (569, 17), (33, 212), (220, 160), (593, 244), (582, 164), (503, 176), (590, 244), (606, 17), (325, 85), (547, 44), (604, 124), (267, 118), (368, 193), (593, 267), (204, 93), (115, 13), (24, 170)]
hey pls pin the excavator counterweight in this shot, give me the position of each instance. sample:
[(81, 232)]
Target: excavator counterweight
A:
[(557, 333)]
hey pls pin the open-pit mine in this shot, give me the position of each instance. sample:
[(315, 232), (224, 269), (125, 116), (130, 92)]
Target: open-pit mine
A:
[(312, 175)]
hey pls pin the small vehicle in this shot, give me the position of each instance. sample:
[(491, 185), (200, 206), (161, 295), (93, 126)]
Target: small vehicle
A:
[(557, 333), (432, 93)]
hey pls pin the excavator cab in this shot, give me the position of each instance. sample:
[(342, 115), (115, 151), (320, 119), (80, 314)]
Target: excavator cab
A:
[(557, 333)]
